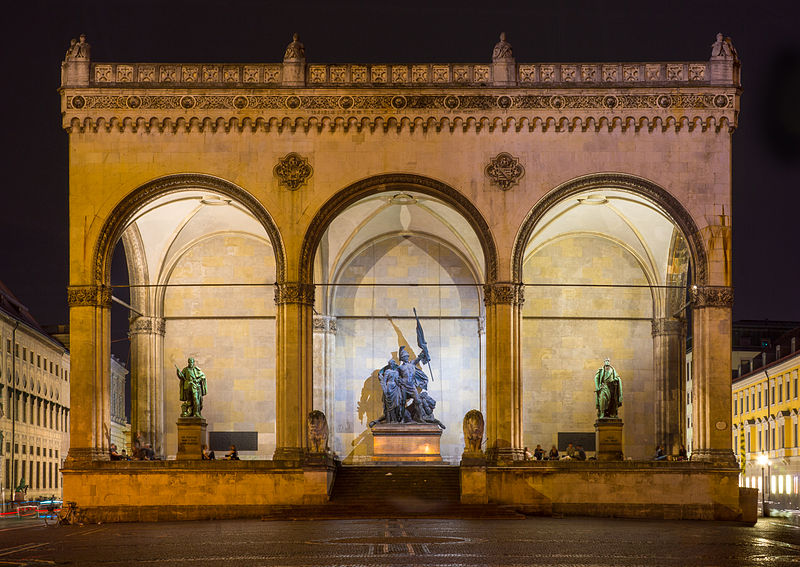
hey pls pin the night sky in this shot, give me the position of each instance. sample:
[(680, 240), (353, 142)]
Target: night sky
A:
[(766, 146)]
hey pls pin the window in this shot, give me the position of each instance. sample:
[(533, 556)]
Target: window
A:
[(38, 361), (780, 392), (51, 367), (16, 350), (748, 403), (31, 357), (24, 353), (56, 369), (8, 346), (754, 400), (772, 431), (735, 408), (795, 435), (773, 394), (759, 399), (741, 404), (748, 442)]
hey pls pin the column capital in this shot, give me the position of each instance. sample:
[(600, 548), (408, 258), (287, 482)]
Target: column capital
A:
[(324, 324), (668, 326), (148, 326), (89, 296), (294, 292), (712, 296), (507, 293)]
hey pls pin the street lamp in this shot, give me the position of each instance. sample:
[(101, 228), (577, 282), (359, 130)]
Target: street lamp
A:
[(764, 462)]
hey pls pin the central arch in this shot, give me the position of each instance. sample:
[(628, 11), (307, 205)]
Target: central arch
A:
[(378, 183)]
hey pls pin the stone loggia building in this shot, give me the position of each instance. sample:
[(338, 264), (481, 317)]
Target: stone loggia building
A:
[(280, 221)]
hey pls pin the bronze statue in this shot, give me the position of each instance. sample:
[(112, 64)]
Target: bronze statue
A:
[(193, 388), (608, 391), (405, 385)]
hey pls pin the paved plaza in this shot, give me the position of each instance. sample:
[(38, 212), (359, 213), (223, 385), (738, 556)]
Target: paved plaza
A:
[(528, 542)]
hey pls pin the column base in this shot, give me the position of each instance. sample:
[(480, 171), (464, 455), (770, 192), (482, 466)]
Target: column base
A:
[(719, 456), (504, 455), (292, 454), (78, 454)]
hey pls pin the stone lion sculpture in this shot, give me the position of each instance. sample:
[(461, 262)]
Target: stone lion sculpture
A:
[(473, 431), (317, 432)]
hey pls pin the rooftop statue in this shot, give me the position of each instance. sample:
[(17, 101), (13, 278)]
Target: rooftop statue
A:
[(295, 51), (723, 48), (502, 50), (78, 48), (405, 387), (193, 388), (608, 391)]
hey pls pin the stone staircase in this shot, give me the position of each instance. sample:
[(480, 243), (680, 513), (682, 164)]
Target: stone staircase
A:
[(410, 491)]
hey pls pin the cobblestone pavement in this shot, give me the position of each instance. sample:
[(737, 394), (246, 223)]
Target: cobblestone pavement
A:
[(529, 542)]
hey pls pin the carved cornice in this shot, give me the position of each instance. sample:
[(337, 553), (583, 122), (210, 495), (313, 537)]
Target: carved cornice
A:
[(199, 111), (712, 296), (366, 187), (148, 326), (503, 294), (294, 292), (138, 198), (648, 189), (89, 296), (667, 326)]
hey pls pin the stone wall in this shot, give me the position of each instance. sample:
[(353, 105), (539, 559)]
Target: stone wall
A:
[(568, 331), (230, 331)]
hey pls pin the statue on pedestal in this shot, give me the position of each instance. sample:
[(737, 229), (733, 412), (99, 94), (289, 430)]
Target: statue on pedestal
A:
[(193, 388), (405, 385), (608, 391)]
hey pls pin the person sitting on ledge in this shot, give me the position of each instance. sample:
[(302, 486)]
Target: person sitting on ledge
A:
[(660, 456), (232, 454), (115, 456), (125, 456), (208, 454), (580, 454), (538, 453), (553, 455), (682, 454), (571, 452)]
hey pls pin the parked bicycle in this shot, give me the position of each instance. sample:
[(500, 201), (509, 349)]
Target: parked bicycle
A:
[(48, 512)]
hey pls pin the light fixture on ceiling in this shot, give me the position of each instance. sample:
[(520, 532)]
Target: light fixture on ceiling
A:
[(402, 199), (593, 199), (214, 200)]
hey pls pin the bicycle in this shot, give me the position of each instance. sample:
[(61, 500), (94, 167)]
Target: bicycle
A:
[(68, 516), (49, 513)]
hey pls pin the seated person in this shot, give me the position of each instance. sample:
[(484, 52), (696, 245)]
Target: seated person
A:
[(147, 452), (232, 454), (115, 456), (553, 455), (682, 454), (125, 456), (660, 455), (580, 454), (208, 454), (538, 453), (571, 452)]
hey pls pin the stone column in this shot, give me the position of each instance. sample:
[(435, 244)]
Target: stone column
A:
[(147, 379), (503, 381), (294, 367), (90, 362), (711, 383), (482, 370), (669, 356), (324, 349)]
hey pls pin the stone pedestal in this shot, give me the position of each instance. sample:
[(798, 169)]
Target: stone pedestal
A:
[(608, 437), (191, 438), (406, 442)]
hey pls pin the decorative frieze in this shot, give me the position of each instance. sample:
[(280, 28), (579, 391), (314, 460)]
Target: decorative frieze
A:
[(505, 170), (503, 293), (293, 171), (89, 296), (294, 292), (712, 296), (148, 326)]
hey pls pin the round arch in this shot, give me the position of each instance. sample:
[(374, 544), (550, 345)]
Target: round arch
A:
[(141, 196), (660, 196), (379, 183)]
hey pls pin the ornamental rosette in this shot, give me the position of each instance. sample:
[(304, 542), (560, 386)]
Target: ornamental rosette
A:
[(293, 171), (505, 170)]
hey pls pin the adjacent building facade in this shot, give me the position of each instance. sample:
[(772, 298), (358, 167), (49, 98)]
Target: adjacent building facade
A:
[(34, 403), (766, 407)]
